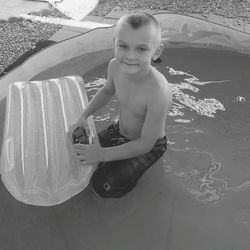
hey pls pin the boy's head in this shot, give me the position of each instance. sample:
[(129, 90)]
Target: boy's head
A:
[(137, 20), (137, 41)]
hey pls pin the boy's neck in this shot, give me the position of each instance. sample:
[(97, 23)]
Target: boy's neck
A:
[(140, 76)]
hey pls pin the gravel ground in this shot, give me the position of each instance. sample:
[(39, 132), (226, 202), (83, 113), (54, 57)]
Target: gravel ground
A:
[(19, 37), (225, 8)]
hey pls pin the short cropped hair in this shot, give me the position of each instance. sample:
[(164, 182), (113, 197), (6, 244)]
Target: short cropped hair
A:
[(139, 19)]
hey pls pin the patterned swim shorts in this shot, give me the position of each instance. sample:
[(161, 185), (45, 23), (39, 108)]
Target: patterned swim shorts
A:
[(116, 178)]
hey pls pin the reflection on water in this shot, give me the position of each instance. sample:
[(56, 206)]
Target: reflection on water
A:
[(201, 182), (208, 125), (205, 106)]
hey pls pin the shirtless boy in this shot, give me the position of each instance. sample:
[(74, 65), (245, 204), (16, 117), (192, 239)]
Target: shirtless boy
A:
[(128, 148)]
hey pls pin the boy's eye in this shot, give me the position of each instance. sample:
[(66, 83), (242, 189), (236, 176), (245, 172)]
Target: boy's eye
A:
[(122, 46), (142, 49)]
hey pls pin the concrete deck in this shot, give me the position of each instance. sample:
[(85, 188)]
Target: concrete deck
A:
[(12, 8), (19, 7)]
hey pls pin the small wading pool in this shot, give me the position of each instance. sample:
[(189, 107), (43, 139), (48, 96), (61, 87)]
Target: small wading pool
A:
[(197, 195)]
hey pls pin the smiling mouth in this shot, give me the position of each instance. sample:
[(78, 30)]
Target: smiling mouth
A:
[(130, 64)]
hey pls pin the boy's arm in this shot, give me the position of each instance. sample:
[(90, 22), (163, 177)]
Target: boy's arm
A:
[(157, 110), (103, 95), (97, 102)]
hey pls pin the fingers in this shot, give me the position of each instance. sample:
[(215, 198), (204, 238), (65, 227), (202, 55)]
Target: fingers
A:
[(80, 157), (80, 153)]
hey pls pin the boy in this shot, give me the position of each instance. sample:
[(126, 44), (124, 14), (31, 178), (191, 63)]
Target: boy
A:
[(129, 147)]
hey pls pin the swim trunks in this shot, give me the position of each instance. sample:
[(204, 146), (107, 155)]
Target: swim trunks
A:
[(116, 178)]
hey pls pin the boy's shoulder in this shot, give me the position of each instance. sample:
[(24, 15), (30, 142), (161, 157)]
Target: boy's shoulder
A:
[(161, 88), (113, 63), (112, 66), (159, 78)]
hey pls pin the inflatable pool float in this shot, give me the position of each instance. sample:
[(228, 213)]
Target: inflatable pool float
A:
[(38, 165)]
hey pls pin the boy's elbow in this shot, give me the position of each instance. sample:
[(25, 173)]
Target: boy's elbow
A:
[(108, 92), (145, 148)]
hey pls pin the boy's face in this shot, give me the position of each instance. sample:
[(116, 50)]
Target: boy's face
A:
[(134, 48)]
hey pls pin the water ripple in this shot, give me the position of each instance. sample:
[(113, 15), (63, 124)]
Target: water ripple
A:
[(206, 106), (201, 181)]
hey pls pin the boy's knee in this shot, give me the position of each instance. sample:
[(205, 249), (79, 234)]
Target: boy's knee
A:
[(104, 190), (108, 182)]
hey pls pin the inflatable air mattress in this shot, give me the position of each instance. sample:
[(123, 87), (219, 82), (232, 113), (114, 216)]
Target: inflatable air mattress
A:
[(38, 165)]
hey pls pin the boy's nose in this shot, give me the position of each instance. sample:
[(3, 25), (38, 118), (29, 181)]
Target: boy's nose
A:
[(130, 54)]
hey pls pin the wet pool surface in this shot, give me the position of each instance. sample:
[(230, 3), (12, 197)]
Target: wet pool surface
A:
[(196, 197)]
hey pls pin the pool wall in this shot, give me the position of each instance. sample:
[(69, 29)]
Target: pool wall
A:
[(177, 31)]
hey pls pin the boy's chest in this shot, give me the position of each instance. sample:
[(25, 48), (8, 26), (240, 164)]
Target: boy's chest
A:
[(132, 97)]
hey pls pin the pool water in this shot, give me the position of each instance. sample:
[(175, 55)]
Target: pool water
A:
[(195, 197), (209, 143), (209, 124)]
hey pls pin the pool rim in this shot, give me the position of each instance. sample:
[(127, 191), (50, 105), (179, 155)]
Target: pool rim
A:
[(16, 75)]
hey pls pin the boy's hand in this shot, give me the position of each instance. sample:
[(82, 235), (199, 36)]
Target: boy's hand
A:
[(82, 122), (89, 154)]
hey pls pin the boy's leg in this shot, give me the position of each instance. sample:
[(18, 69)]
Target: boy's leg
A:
[(115, 179)]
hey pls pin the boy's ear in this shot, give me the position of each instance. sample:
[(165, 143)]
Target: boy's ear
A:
[(158, 52)]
